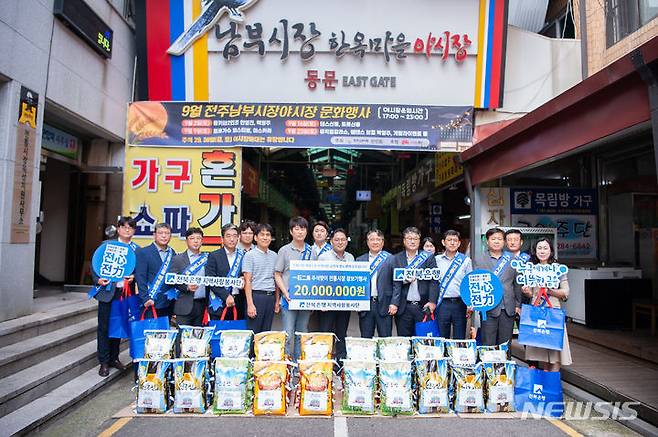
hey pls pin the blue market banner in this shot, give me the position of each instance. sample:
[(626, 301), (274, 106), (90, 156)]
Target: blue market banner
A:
[(299, 125), (329, 285)]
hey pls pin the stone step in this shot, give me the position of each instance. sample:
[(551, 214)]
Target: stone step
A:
[(29, 384), (47, 319), (19, 356), (32, 415)]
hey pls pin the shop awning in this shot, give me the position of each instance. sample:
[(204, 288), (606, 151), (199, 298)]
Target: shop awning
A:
[(607, 102)]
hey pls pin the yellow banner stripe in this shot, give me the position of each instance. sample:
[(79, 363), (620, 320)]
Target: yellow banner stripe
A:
[(481, 52), (200, 50)]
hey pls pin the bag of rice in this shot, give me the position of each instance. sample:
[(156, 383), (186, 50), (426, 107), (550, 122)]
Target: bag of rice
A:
[(359, 379), (316, 394), (270, 346), (159, 344), (493, 354), (189, 385), (361, 349), (428, 348), (235, 343), (433, 382), (195, 341), (396, 392), (233, 386), (394, 348), (152, 387), (499, 386), (316, 346), (270, 391), (461, 352), (467, 389)]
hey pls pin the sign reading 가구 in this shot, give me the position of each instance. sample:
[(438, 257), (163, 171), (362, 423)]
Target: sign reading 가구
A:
[(482, 291), (329, 285), (539, 275), (113, 260)]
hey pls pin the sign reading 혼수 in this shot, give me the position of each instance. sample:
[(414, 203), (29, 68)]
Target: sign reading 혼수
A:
[(329, 285)]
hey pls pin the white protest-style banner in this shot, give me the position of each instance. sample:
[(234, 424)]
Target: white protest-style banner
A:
[(539, 275)]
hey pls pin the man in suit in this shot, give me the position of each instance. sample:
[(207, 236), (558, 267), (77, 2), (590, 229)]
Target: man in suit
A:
[(191, 302), (380, 274), (409, 299), (219, 264), (498, 327), (152, 261), (108, 348)]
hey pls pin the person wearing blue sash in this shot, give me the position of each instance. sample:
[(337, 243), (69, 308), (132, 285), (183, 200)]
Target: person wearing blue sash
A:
[(297, 249), (451, 313), (108, 348), (190, 304), (224, 262), (152, 265), (260, 289), (320, 232), (409, 299), (380, 274), (497, 328), (514, 243)]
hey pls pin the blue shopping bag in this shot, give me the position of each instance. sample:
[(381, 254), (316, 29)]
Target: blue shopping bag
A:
[(541, 326), (538, 392), (223, 325), (137, 328), (119, 326), (427, 328)]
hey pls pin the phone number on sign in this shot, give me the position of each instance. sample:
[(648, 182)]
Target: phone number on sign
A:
[(329, 291)]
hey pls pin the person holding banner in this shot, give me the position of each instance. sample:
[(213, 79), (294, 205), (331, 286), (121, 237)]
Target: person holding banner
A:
[(108, 348), (454, 266), (380, 275), (410, 298), (259, 286), (337, 321), (225, 262), (152, 265), (320, 232), (190, 299), (553, 359), (499, 324)]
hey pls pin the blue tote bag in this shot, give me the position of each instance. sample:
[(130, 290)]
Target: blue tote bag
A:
[(119, 326), (542, 326), (137, 328), (538, 392), (427, 328), (223, 325)]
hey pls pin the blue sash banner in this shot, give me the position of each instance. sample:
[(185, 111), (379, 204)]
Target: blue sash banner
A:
[(329, 285), (481, 290), (503, 261), (412, 270), (215, 302), (378, 261), (114, 261), (523, 257), (308, 252), (156, 287), (191, 270), (541, 326), (449, 275), (326, 248), (538, 392)]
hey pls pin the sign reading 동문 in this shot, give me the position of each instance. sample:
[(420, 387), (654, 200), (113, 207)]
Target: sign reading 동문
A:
[(329, 285)]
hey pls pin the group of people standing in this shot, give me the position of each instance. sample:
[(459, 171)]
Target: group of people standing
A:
[(245, 253)]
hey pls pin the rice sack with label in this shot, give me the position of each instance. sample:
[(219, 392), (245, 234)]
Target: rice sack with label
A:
[(432, 383), (467, 385), (152, 387), (189, 385), (461, 352), (493, 354), (316, 394), (235, 343), (428, 348), (361, 349), (359, 387), (159, 344), (270, 346), (316, 346), (233, 385), (499, 386), (394, 348), (396, 391), (195, 341), (270, 392)]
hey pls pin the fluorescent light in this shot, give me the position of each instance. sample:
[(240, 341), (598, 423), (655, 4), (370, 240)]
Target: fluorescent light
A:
[(464, 217)]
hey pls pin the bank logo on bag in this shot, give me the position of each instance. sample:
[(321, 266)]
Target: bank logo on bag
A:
[(537, 389), (541, 324), (537, 393)]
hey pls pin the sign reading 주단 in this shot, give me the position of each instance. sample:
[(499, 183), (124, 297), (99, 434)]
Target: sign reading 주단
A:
[(539, 275), (481, 290), (113, 260), (329, 285)]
